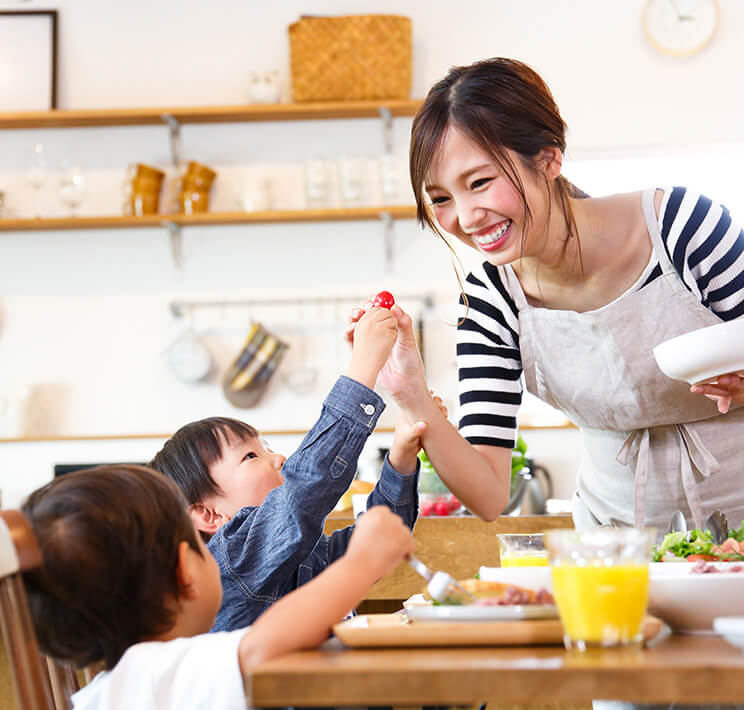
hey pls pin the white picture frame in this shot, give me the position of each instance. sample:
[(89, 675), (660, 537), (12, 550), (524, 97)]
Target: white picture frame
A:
[(28, 60)]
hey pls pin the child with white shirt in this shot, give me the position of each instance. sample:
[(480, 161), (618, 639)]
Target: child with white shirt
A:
[(127, 581)]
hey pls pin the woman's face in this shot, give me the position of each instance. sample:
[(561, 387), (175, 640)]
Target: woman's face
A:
[(476, 202)]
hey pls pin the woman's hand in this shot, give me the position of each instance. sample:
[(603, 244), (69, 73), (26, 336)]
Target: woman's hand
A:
[(724, 390), (403, 373)]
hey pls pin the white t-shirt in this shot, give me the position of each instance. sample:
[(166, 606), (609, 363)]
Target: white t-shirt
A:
[(197, 672)]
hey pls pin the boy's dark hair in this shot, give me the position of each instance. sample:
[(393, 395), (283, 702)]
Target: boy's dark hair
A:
[(186, 457), (109, 538)]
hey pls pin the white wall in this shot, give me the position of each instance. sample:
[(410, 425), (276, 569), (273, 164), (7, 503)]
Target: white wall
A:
[(84, 316)]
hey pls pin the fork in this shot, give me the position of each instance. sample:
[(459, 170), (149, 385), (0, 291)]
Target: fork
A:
[(441, 586)]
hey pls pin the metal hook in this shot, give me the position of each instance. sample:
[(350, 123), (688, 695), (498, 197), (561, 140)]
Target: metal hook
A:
[(176, 243), (387, 221), (174, 134), (387, 128)]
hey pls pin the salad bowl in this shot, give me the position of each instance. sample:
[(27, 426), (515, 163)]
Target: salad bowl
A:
[(689, 601)]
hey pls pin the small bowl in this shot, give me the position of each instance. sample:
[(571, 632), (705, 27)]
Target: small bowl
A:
[(703, 354)]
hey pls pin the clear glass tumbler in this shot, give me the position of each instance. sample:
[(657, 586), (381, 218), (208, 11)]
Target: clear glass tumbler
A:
[(600, 584)]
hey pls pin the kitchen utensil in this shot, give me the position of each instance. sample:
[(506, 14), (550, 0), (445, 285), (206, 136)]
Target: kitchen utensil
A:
[(717, 526), (441, 586), (703, 354), (188, 358), (534, 486), (677, 523)]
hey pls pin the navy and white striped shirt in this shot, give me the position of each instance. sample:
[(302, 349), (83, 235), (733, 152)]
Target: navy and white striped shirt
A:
[(707, 249)]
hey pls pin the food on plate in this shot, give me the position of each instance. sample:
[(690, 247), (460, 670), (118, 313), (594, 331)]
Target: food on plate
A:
[(356, 487), (696, 545), (438, 505), (502, 594), (384, 299), (703, 567)]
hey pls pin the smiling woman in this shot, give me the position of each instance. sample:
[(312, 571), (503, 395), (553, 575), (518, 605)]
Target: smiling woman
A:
[(571, 297)]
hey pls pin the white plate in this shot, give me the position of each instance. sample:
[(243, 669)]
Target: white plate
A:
[(731, 628), (474, 612), (703, 354)]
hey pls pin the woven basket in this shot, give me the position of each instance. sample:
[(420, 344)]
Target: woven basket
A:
[(351, 57)]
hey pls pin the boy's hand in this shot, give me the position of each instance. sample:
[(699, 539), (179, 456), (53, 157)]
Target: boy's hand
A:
[(403, 372), (407, 441), (380, 541), (375, 334)]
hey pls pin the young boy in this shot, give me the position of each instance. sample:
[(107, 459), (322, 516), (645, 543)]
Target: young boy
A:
[(127, 580), (263, 515)]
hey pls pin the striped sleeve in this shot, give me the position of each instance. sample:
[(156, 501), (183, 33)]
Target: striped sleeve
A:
[(489, 365), (706, 247)]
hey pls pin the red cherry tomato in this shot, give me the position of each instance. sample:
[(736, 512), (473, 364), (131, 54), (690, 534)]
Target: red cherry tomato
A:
[(453, 503), (442, 508), (427, 507), (384, 299)]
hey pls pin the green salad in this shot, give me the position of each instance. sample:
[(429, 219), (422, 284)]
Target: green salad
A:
[(695, 545)]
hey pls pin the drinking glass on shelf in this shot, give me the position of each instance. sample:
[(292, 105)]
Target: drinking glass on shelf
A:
[(389, 179), (36, 174), (72, 187), (352, 180), (317, 183)]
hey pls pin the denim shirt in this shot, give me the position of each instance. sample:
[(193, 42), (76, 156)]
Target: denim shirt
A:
[(265, 552)]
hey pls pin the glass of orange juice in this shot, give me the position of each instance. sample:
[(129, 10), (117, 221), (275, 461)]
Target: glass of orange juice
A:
[(522, 550), (600, 583)]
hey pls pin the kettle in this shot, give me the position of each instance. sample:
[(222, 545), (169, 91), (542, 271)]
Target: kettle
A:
[(533, 488)]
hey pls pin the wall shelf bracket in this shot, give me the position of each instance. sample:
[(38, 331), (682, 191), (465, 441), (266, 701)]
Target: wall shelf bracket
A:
[(387, 223), (176, 243), (174, 135), (387, 129)]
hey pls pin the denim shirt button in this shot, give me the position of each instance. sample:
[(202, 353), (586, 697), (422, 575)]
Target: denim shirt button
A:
[(368, 409)]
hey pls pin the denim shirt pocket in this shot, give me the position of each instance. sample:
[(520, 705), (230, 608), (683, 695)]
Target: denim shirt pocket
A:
[(304, 574), (329, 454)]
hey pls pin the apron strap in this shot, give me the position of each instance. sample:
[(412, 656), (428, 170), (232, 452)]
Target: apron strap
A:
[(694, 456), (636, 445)]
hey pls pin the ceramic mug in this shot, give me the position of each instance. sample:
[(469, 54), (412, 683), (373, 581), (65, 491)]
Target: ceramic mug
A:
[(142, 189), (195, 184)]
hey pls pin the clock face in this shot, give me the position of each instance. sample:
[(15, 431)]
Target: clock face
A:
[(680, 27)]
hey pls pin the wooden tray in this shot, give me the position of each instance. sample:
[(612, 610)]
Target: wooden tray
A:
[(389, 630)]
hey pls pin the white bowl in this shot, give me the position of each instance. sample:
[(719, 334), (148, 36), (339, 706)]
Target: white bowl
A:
[(731, 628), (688, 601), (703, 354)]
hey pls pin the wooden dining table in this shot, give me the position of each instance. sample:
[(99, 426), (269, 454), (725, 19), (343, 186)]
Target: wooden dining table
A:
[(688, 669)]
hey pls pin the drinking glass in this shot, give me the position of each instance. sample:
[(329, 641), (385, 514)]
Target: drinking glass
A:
[(351, 171), (522, 550), (36, 174), (600, 584), (389, 179), (317, 183), (72, 187)]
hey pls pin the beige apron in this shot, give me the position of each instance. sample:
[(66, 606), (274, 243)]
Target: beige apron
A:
[(650, 446)]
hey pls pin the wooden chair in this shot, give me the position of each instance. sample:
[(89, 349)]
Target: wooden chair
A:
[(40, 683)]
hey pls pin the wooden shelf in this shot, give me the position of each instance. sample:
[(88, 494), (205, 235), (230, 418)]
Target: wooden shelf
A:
[(275, 432), (208, 114), (208, 218)]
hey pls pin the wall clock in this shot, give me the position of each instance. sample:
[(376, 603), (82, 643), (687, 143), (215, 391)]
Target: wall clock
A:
[(680, 28)]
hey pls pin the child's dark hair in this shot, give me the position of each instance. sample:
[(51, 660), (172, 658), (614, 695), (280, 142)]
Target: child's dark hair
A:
[(186, 457), (109, 538)]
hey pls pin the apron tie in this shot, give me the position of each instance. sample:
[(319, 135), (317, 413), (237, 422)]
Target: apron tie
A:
[(694, 456), (636, 445)]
